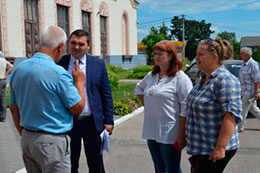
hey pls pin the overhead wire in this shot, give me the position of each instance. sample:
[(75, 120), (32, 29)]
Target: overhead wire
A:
[(168, 19)]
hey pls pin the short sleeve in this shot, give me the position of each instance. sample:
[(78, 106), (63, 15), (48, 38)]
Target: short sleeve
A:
[(255, 72), (12, 96), (67, 90), (8, 64), (184, 88), (141, 85), (228, 94)]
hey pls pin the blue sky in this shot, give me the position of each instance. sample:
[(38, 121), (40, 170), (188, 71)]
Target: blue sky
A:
[(239, 16)]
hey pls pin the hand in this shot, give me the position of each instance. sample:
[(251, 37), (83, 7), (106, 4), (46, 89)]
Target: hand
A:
[(217, 154), (256, 96), (181, 141), (77, 74), (109, 128)]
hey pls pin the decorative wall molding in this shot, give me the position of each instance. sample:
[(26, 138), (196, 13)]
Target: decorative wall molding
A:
[(87, 5), (103, 9), (4, 28), (134, 4), (67, 3), (125, 33)]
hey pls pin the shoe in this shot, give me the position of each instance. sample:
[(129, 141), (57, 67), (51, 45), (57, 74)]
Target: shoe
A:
[(2, 120), (241, 129)]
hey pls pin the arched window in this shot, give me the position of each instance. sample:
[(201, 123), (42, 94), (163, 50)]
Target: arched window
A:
[(104, 13), (31, 24), (125, 34)]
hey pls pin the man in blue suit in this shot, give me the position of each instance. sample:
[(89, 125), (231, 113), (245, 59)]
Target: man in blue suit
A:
[(98, 112)]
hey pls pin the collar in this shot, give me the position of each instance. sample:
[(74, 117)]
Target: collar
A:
[(43, 56), (216, 72), (82, 60), (248, 62)]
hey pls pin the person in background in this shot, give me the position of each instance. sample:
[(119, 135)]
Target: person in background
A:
[(162, 92), (5, 69), (43, 99), (249, 78), (213, 110), (98, 112)]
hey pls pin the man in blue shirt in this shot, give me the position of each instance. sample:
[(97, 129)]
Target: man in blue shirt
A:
[(43, 99)]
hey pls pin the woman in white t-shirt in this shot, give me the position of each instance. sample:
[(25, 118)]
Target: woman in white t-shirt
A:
[(162, 93)]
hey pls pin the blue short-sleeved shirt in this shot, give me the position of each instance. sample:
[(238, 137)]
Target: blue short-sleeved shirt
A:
[(43, 92), (206, 108)]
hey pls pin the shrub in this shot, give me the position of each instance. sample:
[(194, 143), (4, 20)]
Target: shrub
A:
[(113, 79), (121, 109), (114, 68), (140, 72)]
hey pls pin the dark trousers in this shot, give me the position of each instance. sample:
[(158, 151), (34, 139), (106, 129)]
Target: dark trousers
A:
[(2, 99), (86, 130), (202, 164)]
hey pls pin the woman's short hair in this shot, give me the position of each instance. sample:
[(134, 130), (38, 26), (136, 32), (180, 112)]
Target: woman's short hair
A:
[(175, 62)]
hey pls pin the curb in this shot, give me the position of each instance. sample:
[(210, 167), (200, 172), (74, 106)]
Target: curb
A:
[(117, 122), (128, 116)]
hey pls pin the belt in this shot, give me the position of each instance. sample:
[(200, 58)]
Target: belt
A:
[(81, 118), (44, 132)]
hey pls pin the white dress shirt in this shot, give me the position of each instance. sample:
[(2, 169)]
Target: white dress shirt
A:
[(82, 65)]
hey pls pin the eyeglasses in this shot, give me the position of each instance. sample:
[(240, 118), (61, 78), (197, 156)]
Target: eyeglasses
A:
[(210, 43)]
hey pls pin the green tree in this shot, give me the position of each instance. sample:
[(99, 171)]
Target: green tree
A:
[(195, 31), (236, 47), (153, 37), (163, 29), (256, 55), (229, 36)]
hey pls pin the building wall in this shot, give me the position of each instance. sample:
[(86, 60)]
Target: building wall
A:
[(13, 25), (13, 29)]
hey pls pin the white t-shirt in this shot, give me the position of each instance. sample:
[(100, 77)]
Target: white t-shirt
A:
[(4, 65)]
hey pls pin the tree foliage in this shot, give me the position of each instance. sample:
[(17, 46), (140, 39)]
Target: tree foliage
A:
[(256, 55), (195, 31), (229, 36), (153, 37)]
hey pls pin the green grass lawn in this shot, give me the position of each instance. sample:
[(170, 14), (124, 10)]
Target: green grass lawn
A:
[(7, 95), (125, 90), (124, 74)]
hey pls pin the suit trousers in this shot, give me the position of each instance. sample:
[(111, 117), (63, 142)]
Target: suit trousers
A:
[(85, 129), (2, 99)]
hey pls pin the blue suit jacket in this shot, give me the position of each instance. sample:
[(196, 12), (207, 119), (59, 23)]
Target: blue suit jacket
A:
[(98, 90)]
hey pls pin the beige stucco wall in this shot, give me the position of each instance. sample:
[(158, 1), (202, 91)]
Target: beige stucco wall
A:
[(14, 27), (48, 16)]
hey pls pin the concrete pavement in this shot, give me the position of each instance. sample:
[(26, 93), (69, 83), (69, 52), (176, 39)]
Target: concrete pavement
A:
[(130, 153), (10, 150)]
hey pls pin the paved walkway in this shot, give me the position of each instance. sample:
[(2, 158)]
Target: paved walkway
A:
[(130, 153), (10, 151)]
